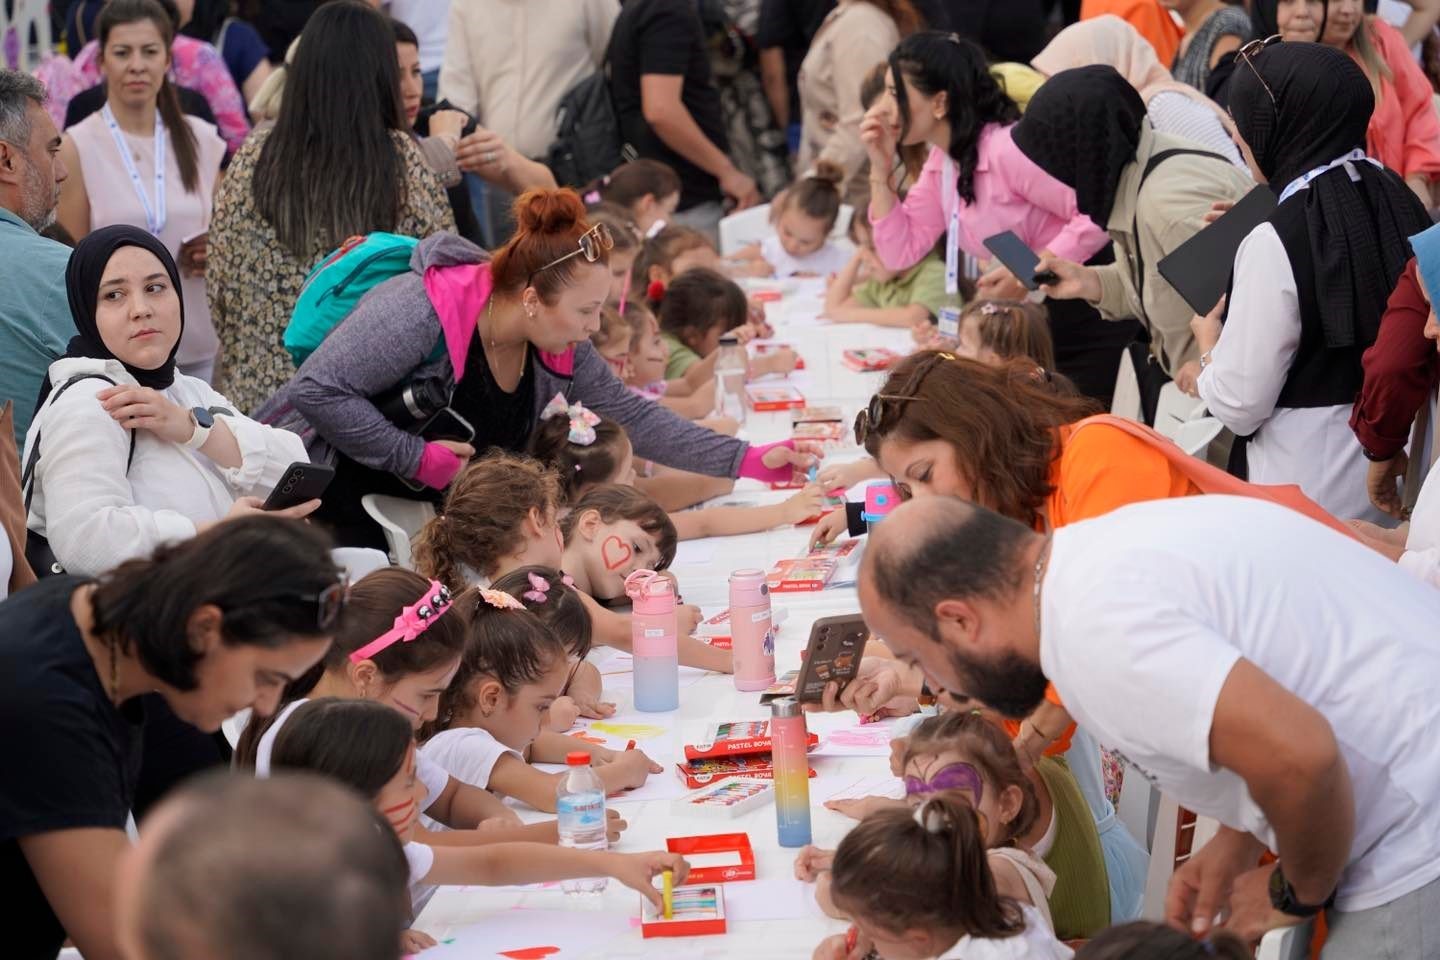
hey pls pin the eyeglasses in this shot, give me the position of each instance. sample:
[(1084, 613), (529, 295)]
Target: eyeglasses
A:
[(1252, 50), (877, 417), (329, 603), (591, 244)]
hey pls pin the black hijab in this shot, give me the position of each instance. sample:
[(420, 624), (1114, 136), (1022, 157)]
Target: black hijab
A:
[(82, 287), (1082, 127), (1357, 229)]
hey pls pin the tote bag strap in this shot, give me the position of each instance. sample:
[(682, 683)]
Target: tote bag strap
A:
[(1211, 479)]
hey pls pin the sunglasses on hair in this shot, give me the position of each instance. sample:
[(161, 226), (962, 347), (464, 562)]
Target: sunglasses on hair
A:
[(591, 244), (880, 414), (1251, 50), (329, 603)]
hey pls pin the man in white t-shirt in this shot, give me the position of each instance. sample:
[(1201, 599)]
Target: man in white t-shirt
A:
[(1260, 668)]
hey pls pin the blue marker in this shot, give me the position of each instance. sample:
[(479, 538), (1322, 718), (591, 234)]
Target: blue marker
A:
[(813, 472)]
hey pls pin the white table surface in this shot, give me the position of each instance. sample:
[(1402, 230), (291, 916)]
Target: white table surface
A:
[(713, 698)]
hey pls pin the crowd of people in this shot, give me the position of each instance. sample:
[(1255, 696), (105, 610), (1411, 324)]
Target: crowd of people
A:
[(468, 255)]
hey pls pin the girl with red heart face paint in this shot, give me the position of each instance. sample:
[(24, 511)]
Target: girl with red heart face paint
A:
[(611, 532)]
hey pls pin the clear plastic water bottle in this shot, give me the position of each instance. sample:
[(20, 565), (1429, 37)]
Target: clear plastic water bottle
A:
[(730, 370), (580, 806)]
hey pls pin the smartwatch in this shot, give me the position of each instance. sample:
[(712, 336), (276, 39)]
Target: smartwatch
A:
[(203, 421), (1282, 897)]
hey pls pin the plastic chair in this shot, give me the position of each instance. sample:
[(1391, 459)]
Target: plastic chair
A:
[(1174, 409), (1289, 943), (744, 227), (1126, 400), (1139, 802), (1178, 835), (400, 519)]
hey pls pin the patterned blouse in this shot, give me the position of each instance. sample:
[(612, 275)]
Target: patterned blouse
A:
[(253, 281)]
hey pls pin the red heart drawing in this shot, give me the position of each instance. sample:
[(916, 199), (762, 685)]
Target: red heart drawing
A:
[(530, 953), (614, 552)]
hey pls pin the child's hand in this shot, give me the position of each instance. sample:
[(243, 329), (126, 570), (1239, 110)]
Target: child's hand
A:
[(828, 528), (639, 870), (862, 807), (810, 861), (804, 504), (614, 826), (503, 820), (688, 616), (563, 712), (636, 767), (923, 331), (781, 361), (845, 475), (897, 756), (592, 707), (413, 941)]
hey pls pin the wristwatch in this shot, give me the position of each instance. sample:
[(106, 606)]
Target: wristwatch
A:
[(203, 421), (1282, 897)]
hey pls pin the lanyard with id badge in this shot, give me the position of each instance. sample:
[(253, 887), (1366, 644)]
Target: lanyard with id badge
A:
[(948, 319)]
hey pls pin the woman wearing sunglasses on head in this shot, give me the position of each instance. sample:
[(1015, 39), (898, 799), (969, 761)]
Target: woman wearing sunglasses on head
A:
[(499, 337), (1309, 285), (205, 628)]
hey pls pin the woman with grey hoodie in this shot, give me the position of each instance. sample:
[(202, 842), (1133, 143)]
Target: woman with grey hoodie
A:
[(515, 332)]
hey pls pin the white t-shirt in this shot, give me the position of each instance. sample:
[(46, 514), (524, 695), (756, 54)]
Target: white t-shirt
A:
[(1421, 558), (1147, 609), (1035, 942), (420, 857), (822, 263), (429, 19), (468, 754)]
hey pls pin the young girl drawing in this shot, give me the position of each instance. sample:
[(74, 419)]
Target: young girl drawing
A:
[(804, 216), (513, 669)]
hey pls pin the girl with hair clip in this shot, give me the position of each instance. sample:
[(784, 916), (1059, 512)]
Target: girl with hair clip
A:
[(493, 714), (701, 306), (551, 595), (588, 451), (1043, 846), (1143, 940), (646, 190), (917, 885), (501, 513), (371, 749), (804, 217), (500, 336)]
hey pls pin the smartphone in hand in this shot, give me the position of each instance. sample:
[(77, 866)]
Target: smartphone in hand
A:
[(1019, 259), (832, 655), (301, 483)]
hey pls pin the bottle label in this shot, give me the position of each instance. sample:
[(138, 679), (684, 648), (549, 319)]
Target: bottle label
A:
[(654, 631), (583, 811), (761, 616)]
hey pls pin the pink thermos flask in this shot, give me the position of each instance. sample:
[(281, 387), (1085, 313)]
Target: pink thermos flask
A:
[(752, 632)]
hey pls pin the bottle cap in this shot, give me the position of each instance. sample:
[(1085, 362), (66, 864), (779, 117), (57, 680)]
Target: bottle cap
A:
[(578, 758), (650, 592), (748, 587), (785, 707)]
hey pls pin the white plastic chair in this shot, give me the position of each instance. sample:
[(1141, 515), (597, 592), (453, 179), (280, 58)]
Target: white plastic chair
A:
[(1174, 409), (1288, 943), (1168, 839), (1139, 802), (401, 519), (1126, 400), (752, 225)]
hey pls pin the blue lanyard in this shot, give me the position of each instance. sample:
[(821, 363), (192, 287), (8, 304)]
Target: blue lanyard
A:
[(154, 214)]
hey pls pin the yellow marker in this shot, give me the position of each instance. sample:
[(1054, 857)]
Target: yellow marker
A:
[(667, 893)]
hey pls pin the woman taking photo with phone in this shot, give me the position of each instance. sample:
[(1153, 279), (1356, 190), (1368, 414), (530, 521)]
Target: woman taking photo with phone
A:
[(141, 161), (494, 340), (126, 452)]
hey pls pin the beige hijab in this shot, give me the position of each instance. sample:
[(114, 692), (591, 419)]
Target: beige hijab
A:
[(1113, 41)]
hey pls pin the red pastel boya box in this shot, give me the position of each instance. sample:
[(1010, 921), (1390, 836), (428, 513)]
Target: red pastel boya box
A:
[(716, 857), (736, 738), (696, 910)]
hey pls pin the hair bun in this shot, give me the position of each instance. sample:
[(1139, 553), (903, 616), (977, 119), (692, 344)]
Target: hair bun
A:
[(829, 172), (548, 211)]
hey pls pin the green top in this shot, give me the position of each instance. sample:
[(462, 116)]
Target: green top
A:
[(1080, 902), (682, 358), (923, 283), (35, 323)]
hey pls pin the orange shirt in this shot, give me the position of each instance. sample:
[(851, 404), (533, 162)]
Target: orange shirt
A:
[(1148, 17), (1101, 469)]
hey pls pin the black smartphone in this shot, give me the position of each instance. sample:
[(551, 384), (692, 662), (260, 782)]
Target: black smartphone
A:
[(302, 482), (1019, 259), (446, 424), (832, 655)]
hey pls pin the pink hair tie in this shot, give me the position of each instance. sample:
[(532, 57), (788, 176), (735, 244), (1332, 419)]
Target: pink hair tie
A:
[(413, 621), (591, 198)]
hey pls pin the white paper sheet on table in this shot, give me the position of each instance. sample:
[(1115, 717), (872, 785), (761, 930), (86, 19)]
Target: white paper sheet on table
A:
[(547, 934), (842, 735), (779, 899), (694, 553), (858, 789)]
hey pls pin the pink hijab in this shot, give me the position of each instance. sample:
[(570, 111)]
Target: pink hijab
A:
[(1113, 41)]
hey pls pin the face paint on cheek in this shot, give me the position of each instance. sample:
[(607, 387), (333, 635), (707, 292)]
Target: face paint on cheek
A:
[(614, 553), (400, 815), (405, 707)]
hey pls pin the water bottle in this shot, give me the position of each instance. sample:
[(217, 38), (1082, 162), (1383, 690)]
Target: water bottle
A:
[(792, 771), (654, 631), (580, 806), (731, 368), (880, 498), (752, 633)]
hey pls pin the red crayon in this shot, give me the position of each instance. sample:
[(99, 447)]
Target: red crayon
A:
[(630, 745)]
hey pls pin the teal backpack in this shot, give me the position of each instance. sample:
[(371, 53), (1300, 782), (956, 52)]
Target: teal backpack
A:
[(337, 284)]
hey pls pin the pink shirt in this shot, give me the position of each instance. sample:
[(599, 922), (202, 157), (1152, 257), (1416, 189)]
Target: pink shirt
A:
[(1404, 132), (1011, 193)]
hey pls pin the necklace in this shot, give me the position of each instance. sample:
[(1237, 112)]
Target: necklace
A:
[(1039, 576), (490, 319)]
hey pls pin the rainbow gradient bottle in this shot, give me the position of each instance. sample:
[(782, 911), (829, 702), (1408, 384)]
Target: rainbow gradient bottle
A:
[(654, 638), (792, 772)]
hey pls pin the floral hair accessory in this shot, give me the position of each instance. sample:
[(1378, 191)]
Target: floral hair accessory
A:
[(582, 421), (501, 600), (991, 308), (413, 621), (655, 292)]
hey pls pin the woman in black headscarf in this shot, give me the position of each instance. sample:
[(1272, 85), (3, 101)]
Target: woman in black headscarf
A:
[(1309, 285), (1088, 129), (126, 452)]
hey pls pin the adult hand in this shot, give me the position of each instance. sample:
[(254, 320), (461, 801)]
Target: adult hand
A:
[(484, 153), (1000, 284), (828, 528), (740, 188), (803, 505), (563, 713), (1207, 328), (1218, 209), (1251, 915), (1076, 281), (447, 123), (141, 408), (877, 683), (1381, 482), (1390, 544), (1202, 885), (811, 861), (1187, 378), (638, 871), (193, 255), (254, 506), (878, 137), (462, 450)]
